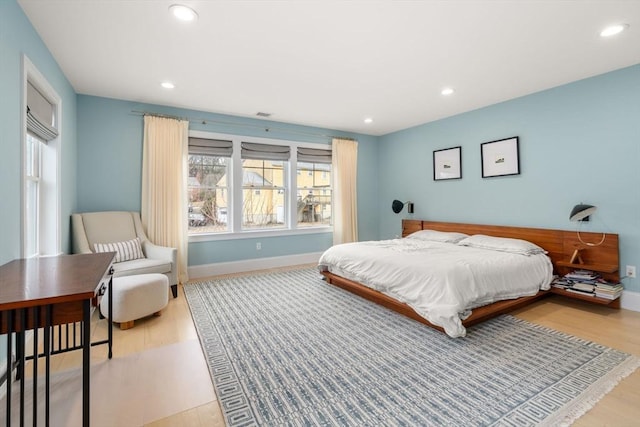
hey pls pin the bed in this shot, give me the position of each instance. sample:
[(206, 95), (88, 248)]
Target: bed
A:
[(451, 285)]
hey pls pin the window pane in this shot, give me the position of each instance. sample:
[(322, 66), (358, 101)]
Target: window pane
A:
[(31, 219), (208, 194), (314, 194), (32, 159), (263, 194), (33, 147)]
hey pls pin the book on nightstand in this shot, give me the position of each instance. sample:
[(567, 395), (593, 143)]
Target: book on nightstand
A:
[(608, 290), (585, 282), (581, 292), (582, 275)]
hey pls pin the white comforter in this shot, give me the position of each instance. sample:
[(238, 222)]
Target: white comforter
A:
[(442, 282)]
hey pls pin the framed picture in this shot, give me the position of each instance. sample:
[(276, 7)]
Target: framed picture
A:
[(500, 158), (447, 164)]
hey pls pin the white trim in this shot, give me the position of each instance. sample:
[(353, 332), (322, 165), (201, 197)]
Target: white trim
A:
[(630, 300), (249, 234), (208, 270), (51, 174)]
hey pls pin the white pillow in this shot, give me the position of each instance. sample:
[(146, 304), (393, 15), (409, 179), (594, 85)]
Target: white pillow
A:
[(125, 251), (503, 244), (437, 236)]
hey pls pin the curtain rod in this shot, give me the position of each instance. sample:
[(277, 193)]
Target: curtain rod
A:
[(220, 122), (164, 116)]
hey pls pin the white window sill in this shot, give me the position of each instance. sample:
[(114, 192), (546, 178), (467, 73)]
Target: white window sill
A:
[(254, 234)]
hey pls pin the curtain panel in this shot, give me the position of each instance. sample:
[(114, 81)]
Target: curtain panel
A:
[(164, 182), (344, 158)]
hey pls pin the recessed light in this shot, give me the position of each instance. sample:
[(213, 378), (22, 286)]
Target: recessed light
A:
[(447, 91), (368, 120), (167, 85), (612, 30), (183, 13)]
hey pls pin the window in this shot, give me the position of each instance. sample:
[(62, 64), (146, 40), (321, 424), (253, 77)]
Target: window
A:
[(264, 167), (207, 185), (260, 185), (314, 193), (41, 166)]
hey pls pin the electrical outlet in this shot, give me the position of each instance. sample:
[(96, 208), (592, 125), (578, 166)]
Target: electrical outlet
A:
[(259, 246), (631, 271)]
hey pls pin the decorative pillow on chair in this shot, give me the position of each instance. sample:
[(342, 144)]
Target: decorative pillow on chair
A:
[(125, 251)]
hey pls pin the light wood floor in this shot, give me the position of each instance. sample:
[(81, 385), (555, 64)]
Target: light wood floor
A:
[(619, 329)]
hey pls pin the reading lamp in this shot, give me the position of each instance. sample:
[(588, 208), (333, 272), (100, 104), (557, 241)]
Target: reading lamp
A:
[(397, 206), (581, 213)]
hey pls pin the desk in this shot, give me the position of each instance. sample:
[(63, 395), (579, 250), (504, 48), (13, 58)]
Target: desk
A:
[(40, 293)]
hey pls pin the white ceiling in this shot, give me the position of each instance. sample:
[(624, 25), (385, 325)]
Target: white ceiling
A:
[(332, 63)]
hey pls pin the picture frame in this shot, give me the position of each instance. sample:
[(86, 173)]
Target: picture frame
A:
[(500, 157), (447, 164)]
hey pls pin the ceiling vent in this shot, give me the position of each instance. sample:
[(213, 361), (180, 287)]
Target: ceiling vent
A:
[(261, 114)]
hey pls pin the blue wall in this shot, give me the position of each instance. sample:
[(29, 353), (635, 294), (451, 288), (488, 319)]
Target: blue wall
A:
[(578, 143), (18, 37), (109, 171)]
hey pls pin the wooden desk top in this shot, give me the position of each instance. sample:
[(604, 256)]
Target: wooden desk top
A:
[(36, 281)]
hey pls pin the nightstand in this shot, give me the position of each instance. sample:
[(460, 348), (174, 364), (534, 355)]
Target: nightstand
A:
[(608, 272)]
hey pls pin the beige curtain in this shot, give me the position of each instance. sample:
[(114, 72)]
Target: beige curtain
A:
[(344, 164), (164, 188)]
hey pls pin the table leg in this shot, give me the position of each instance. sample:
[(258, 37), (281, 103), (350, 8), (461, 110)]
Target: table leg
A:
[(9, 363), (21, 350), (36, 323), (86, 361), (47, 364), (110, 324)]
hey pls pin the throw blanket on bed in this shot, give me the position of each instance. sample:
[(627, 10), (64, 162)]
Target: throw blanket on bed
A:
[(441, 281)]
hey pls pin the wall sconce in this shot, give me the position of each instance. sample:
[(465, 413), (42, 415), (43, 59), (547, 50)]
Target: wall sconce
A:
[(580, 213), (397, 206)]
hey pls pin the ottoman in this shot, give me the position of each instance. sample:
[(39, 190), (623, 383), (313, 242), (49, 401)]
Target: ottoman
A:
[(135, 297)]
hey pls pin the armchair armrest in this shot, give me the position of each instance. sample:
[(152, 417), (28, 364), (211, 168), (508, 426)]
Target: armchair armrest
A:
[(164, 253)]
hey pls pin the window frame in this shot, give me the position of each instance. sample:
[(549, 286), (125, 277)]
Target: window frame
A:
[(234, 185), (224, 189), (48, 227)]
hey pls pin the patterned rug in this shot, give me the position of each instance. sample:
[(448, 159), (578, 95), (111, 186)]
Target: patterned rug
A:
[(288, 349)]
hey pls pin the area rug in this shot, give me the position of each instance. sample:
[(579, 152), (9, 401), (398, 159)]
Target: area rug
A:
[(286, 348)]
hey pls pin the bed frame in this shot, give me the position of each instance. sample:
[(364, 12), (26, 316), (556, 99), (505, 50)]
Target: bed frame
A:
[(560, 244)]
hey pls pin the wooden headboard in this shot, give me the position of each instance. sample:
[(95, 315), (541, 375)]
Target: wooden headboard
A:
[(559, 243)]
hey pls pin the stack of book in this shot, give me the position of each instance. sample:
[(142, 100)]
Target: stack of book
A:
[(609, 290), (582, 276), (583, 288), (587, 282)]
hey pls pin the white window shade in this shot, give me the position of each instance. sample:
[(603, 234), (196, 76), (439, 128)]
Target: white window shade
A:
[(40, 114)]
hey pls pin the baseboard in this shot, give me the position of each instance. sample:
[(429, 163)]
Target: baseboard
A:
[(207, 270), (630, 300)]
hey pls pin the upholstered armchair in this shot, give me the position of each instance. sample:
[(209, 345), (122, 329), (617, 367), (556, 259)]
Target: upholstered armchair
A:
[(102, 231)]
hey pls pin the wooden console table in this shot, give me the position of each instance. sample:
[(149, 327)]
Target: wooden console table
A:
[(39, 294)]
